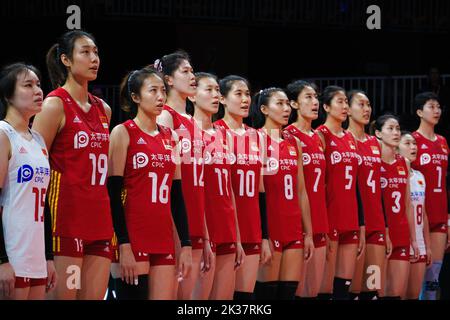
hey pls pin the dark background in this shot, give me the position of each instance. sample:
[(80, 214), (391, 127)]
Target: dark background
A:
[(270, 42)]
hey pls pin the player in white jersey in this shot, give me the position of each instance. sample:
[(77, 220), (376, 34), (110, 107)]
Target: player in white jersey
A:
[(26, 267), (408, 149)]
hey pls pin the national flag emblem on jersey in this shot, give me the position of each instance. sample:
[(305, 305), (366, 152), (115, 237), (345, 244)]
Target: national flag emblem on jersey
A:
[(375, 150), (104, 121), (44, 152), (401, 171), (420, 182), (167, 144), (292, 151), (254, 146), (352, 145), (444, 148)]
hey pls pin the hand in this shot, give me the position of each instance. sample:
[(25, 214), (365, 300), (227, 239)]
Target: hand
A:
[(51, 276), (184, 263), (415, 248), (266, 253), (240, 256), (429, 256), (128, 265), (362, 242), (207, 257), (388, 246), (7, 280), (308, 247)]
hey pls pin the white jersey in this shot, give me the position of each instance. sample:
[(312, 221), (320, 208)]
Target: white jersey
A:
[(23, 199), (417, 189)]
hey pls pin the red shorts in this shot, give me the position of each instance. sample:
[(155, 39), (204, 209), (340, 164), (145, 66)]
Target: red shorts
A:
[(346, 237), (221, 249), (197, 243), (165, 259), (78, 248), (400, 253), (22, 282), (438, 227), (376, 238), (320, 240), (281, 246), (251, 248), (422, 259)]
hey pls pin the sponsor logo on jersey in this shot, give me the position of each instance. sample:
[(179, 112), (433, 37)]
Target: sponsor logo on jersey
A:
[(169, 257), (292, 151), (306, 159), (403, 254), (141, 141), (80, 140), (425, 159), (360, 160), (208, 157), (167, 144), (423, 146), (77, 120), (272, 164), (276, 243), (302, 144), (335, 157), (333, 144), (232, 246), (384, 182), (186, 145), (23, 150), (256, 247), (104, 121), (182, 127), (375, 150), (271, 148), (25, 173), (232, 158), (140, 160), (382, 169), (401, 171)]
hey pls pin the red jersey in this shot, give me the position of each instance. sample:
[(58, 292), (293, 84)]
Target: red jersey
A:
[(245, 177), (148, 175), (192, 183), (341, 174), (314, 166), (284, 218), (79, 162), (432, 161), (369, 175), (394, 179), (219, 209)]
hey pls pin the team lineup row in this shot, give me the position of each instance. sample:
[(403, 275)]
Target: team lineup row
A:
[(172, 205)]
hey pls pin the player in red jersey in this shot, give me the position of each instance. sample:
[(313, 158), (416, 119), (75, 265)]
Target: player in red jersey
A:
[(288, 211), (220, 209), (181, 83), (408, 149), (432, 161), (246, 180), (144, 170), (397, 205), (304, 101), (378, 244), (75, 127), (345, 216), (26, 256)]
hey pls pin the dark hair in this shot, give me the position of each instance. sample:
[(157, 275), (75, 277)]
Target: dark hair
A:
[(132, 83), (259, 99), (56, 69), (190, 109), (328, 94), (421, 99), (8, 80), (170, 62), (293, 90), (380, 121), (225, 86), (352, 93), (406, 132)]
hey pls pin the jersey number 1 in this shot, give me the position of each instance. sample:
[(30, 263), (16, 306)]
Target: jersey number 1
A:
[(39, 202)]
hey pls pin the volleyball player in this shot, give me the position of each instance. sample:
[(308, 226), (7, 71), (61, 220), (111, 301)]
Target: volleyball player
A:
[(345, 213), (246, 182), (288, 211), (75, 127), (304, 101), (432, 162)]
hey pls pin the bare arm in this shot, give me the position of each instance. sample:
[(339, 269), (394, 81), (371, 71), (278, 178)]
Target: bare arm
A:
[(165, 119), (50, 120)]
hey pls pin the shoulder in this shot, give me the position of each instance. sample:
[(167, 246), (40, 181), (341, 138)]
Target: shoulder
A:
[(119, 133)]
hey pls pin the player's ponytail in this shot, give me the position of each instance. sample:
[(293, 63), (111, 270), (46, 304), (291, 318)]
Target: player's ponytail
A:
[(260, 99), (56, 69)]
